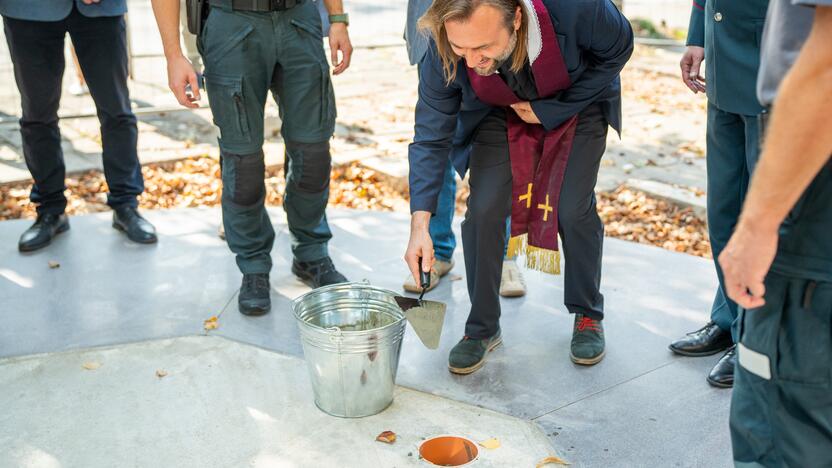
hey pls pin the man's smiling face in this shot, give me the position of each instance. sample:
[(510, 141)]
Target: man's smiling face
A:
[(483, 40)]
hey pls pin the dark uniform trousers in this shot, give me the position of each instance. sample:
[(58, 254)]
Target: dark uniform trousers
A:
[(37, 51), (246, 54), (489, 203)]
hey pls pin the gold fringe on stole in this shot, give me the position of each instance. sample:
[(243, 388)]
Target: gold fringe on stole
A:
[(537, 258), (545, 260), (517, 246)]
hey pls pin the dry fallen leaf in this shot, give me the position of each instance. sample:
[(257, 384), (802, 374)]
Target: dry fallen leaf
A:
[(161, 374), (491, 444), (53, 264), (551, 461), (91, 365), (388, 437), (211, 323)]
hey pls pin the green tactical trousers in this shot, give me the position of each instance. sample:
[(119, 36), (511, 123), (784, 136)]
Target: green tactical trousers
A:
[(246, 54), (781, 408)]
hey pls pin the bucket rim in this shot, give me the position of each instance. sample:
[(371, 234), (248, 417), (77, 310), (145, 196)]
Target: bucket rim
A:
[(361, 285)]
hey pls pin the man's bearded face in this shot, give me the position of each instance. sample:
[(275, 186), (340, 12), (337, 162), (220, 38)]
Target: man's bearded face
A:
[(483, 40)]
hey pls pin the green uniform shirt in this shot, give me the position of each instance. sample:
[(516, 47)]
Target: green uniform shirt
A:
[(731, 32)]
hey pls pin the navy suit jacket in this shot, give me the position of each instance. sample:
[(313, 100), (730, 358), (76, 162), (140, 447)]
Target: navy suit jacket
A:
[(56, 10), (595, 40)]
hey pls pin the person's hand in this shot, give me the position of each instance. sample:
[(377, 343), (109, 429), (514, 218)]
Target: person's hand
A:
[(691, 65), (525, 112), (180, 74), (339, 40), (745, 262), (90, 2), (420, 245)]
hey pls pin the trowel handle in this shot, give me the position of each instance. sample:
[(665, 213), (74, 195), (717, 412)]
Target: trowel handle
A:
[(424, 276)]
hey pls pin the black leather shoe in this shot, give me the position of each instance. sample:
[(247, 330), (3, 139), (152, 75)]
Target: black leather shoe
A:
[(128, 220), (722, 375), (40, 234), (706, 341), (255, 296), (318, 273)]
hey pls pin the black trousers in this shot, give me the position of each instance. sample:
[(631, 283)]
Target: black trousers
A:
[(37, 52), (580, 228)]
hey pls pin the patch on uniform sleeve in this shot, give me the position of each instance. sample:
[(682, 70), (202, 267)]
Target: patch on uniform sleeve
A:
[(754, 362)]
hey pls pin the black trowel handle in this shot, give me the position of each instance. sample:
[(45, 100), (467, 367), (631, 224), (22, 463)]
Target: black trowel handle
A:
[(424, 276)]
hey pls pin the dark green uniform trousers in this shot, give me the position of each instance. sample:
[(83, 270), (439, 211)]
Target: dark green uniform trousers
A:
[(781, 409), (246, 54), (732, 151)]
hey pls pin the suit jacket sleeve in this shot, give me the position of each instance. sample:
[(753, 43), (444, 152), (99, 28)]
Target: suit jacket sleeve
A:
[(610, 44), (696, 29), (437, 111)]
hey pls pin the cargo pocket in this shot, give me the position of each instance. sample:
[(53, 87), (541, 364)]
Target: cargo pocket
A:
[(225, 94), (804, 348), (327, 99), (316, 30), (217, 48)]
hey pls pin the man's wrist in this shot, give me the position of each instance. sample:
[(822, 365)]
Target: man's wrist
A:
[(420, 220)]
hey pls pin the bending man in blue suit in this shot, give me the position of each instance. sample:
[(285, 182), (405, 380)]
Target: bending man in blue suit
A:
[(537, 80)]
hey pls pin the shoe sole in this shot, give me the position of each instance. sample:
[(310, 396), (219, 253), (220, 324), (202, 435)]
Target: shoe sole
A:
[(696, 354), (119, 228), (477, 366), (716, 384), (588, 362), (255, 312), (60, 230), (513, 293)]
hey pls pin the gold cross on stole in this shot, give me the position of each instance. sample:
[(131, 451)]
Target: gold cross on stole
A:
[(527, 197), (546, 208)]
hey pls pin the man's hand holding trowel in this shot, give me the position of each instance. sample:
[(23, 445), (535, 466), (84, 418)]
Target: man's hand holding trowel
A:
[(426, 317)]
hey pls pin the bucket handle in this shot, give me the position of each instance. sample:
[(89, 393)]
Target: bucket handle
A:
[(335, 335)]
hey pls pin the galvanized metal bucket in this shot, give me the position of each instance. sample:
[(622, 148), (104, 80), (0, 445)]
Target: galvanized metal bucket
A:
[(352, 336)]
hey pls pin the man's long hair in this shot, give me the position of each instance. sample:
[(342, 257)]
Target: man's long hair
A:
[(461, 10)]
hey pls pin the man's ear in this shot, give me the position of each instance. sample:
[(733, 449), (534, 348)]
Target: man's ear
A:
[(518, 18)]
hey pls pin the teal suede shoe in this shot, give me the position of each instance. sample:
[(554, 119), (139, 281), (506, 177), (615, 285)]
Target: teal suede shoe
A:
[(469, 354), (587, 341)]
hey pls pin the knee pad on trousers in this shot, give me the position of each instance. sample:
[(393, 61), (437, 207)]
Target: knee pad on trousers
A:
[(249, 172), (309, 165)]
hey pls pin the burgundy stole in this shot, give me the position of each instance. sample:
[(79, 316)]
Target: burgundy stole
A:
[(538, 157)]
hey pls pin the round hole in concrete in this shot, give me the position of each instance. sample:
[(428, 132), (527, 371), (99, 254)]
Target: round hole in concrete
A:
[(448, 451)]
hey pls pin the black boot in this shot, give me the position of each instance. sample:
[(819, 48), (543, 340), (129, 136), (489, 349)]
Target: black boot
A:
[(255, 297), (722, 375), (40, 234), (318, 273), (706, 341), (128, 220)]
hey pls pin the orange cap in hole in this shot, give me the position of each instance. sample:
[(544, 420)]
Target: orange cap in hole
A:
[(448, 451)]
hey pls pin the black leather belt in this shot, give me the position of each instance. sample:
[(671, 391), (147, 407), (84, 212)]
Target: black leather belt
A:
[(257, 5)]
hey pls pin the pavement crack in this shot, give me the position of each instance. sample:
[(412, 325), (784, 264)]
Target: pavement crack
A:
[(603, 390)]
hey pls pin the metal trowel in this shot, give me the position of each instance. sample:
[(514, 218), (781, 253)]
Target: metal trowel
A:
[(426, 317)]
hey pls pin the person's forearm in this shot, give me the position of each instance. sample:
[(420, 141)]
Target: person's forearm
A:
[(167, 18), (420, 220), (798, 141), (334, 7)]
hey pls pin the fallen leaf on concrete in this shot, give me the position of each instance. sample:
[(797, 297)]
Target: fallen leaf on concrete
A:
[(91, 365), (388, 437), (161, 374), (53, 264), (211, 323), (491, 444), (552, 461)]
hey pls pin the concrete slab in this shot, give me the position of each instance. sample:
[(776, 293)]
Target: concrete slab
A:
[(648, 423), (221, 404), (108, 291)]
